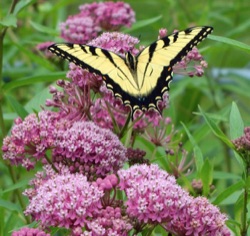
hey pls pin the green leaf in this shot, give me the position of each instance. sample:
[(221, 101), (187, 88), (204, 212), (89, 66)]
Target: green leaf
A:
[(236, 129), (216, 130), (18, 185), (9, 21), (230, 42), (27, 51), (22, 4), (206, 176), (228, 192), (198, 157), (142, 23), (34, 79), (9, 206), (235, 122), (44, 29), (226, 175), (37, 100), (17, 107)]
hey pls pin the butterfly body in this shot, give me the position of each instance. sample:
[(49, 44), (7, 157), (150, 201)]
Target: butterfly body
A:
[(139, 81)]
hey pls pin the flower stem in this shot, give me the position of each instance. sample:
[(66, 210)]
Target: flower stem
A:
[(245, 225)]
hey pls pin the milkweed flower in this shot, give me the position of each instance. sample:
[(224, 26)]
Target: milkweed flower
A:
[(30, 139), (94, 18), (108, 222), (29, 232), (81, 145), (89, 149), (110, 15), (154, 197), (66, 200), (116, 42), (242, 146), (43, 47)]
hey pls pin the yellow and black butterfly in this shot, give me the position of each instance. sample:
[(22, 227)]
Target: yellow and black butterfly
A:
[(141, 80)]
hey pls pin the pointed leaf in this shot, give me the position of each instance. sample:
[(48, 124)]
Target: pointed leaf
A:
[(44, 29), (236, 129), (20, 184), (198, 157), (228, 192), (216, 130), (50, 77), (231, 42), (17, 107), (10, 206), (142, 23), (22, 4), (206, 176), (236, 122), (9, 21)]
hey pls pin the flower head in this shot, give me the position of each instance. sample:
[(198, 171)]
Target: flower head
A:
[(109, 222), (154, 197), (30, 139), (242, 145), (89, 149), (109, 16), (94, 18), (66, 200), (116, 42), (29, 232), (43, 47)]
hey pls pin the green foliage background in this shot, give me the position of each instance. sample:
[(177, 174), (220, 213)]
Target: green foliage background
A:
[(26, 75)]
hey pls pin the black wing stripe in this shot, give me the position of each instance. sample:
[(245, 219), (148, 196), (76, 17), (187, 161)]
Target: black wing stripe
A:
[(107, 54), (66, 55), (193, 42)]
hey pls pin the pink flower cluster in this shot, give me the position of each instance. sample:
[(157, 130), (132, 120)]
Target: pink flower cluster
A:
[(154, 197), (242, 143), (81, 145), (116, 42), (109, 222), (66, 200), (29, 232), (30, 139), (95, 17), (193, 64), (91, 150)]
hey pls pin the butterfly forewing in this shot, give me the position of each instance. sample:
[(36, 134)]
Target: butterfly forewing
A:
[(155, 62), (102, 62)]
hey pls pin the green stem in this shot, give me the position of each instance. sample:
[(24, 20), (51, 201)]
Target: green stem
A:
[(245, 202), (2, 125), (18, 193)]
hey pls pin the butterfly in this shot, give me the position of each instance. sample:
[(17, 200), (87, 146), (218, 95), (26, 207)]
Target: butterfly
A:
[(139, 81)]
